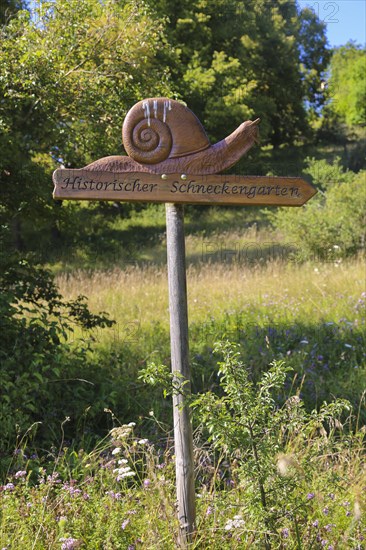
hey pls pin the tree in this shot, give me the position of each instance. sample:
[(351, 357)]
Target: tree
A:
[(8, 8), (68, 75), (347, 85), (233, 61)]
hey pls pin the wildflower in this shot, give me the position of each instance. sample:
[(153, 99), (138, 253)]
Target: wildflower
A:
[(234, 523), (309, 496), (20, 473), (53, 478), (331, 496), (285, 533), (331, 547), (304, 342), (69, 543), (122, 432), (151, 413), (116, 450), (326, 511), (123, 476), (122, 470), (123, 461), (9, 487), (209, 511), (315, 523), (329, 527), (348, 346), (324, 542), (146, 482), (124, 524), (143, 441)]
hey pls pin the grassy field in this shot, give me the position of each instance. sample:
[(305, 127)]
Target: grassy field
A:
[(311, 315), (279, 411)]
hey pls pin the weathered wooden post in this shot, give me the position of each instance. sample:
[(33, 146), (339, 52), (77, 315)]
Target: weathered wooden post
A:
[(183, 440), (171, 160)]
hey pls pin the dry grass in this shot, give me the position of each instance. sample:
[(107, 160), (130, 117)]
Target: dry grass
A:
[(139, 294)]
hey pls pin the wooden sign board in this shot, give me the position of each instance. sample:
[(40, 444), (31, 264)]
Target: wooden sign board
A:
[(179, 188)]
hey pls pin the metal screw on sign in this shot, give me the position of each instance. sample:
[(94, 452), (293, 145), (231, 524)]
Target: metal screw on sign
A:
[(170, 160)]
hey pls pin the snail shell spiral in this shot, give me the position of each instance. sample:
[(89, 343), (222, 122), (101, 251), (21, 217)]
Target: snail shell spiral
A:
[(159, 128)]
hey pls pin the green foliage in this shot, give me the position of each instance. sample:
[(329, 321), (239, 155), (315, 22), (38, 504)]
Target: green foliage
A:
[(256, 436), (347, 89), (232, 62), (273, 477), (68, 75), (42, 369), (332, 225)]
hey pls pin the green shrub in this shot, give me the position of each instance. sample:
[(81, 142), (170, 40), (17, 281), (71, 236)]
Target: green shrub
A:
[(43, 372), (331, 226)]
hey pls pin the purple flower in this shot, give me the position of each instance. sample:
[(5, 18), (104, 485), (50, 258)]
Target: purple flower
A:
[(324, 542), (315, 523), (9, 487), (209, 510), (331, 496), (326, 511), (285, 533), (329, 527), (331, 547), (146, 482), (54, 478), (309, 496), (20, 473), (124, 524), (69, 543)]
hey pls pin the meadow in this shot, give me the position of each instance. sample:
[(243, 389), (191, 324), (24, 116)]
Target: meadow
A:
[(302, 322)]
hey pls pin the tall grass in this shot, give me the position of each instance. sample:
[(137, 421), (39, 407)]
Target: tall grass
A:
[(311, 292)]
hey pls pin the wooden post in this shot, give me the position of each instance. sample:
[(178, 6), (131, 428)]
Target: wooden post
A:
[(183, 438)]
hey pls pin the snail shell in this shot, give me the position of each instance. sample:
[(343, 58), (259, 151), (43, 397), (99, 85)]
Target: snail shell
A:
[(163, 136), (157, 129)]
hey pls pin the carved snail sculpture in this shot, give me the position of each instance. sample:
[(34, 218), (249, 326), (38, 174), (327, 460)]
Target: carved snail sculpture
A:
[(161, 135)]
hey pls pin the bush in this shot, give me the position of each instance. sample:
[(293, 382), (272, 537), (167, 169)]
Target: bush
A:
[(332, 225), (42, 371)]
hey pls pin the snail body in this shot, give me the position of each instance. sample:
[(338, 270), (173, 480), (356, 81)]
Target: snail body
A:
[(164, 136)]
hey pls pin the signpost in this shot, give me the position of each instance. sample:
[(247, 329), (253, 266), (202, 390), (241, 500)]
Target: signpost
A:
[(171, 160)]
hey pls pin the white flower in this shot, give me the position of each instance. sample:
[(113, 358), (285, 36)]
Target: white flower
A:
[(143, 441), (132, 424), (121, 471), (125, 474), (116, 451), (123, 461), (234, 523)]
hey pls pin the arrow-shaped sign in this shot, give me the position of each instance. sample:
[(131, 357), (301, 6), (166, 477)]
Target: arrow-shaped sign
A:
[(180, 188)]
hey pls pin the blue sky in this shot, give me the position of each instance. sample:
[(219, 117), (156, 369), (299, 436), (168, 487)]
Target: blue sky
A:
[(345, 19)]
